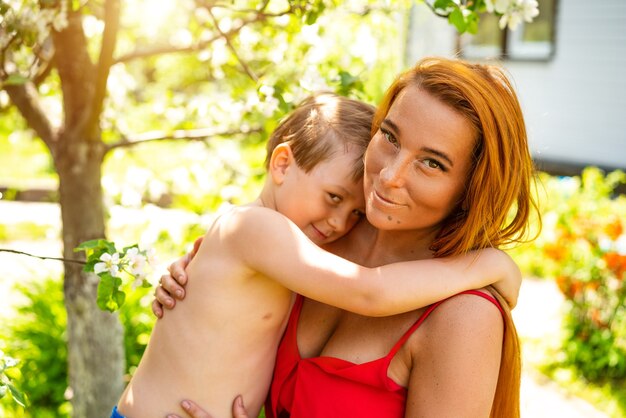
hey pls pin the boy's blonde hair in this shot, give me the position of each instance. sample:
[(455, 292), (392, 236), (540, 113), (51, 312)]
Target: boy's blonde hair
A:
[(320, 124)]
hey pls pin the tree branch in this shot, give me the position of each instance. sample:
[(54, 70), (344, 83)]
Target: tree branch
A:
[(77, 73), (436, 12), (109, 40), (66, 260), (170, 49), (187, 135), (24, 97), (245, 67)]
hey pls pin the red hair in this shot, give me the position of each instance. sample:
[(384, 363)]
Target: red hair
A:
[(496, 205)]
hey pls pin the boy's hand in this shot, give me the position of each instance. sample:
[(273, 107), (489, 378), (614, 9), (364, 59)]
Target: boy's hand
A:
[(194, 411), (172, 286), (510, 284)]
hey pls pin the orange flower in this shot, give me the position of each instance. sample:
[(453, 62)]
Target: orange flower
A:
[(554, 251), (616, 263), (614, 229)]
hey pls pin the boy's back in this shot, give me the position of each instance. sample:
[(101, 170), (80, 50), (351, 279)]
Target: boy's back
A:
[(221, 341)]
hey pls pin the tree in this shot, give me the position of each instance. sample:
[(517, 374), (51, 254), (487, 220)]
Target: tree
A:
[(241, 60)]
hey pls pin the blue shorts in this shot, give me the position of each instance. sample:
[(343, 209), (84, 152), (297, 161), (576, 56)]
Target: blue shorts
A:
[(116, 414)]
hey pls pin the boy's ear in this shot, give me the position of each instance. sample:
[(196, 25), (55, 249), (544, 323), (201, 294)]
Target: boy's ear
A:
[(281, 159)]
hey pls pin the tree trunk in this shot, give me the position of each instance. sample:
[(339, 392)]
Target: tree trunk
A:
[(95, 338)]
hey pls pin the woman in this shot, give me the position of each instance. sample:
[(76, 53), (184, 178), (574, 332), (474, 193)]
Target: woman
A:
[(448, 170)]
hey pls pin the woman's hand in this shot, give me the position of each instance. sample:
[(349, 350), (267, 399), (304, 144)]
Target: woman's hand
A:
[(172, 286), (194, 411)]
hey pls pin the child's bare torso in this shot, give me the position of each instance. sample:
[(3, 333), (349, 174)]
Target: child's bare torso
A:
[(220, 341)]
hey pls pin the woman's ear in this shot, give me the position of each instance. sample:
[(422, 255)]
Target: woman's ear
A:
[(281, 159)]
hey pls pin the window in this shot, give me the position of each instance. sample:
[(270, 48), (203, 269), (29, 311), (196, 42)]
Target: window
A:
[(530, 41)]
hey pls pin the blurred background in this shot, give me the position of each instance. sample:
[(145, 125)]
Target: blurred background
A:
[(138, 120)]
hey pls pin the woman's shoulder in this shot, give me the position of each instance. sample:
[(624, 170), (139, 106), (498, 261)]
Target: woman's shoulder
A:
[(465, 316)]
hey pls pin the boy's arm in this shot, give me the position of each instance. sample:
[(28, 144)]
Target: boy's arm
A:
[(269, 243)]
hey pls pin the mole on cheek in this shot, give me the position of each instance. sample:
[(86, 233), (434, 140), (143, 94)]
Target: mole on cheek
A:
[(389, 218), (398, 222)]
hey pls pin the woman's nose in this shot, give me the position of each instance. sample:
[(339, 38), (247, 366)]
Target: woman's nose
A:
[(394, 172)]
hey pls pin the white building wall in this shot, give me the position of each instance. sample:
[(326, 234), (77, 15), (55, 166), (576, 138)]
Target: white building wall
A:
[(574, 103)]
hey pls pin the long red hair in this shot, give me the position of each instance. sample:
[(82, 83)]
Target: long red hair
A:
[(497, 203)]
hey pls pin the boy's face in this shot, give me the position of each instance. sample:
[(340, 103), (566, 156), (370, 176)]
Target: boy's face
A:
[(324, 203)]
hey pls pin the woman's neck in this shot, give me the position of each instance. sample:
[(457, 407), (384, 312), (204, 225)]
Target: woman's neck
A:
[(371, 247)]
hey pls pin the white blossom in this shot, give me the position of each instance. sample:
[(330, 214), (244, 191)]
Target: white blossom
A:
[(516, 12), (136, 262), (110, 263)]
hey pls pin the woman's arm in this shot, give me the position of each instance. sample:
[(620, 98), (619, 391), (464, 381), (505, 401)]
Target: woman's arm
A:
[(267, 242), (455, 370)]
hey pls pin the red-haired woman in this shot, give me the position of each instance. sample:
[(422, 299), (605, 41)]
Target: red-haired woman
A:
[(448, 170)]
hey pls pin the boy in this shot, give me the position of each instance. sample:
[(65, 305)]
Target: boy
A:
[(222, 339)]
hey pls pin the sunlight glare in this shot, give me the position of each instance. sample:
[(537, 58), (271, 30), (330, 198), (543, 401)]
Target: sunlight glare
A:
[(152, 15)]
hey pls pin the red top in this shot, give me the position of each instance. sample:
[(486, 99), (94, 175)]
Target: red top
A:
[(325, 387)]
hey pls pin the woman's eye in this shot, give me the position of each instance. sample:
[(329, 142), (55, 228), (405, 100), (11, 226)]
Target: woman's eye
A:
[(389, 137), (434, 164)]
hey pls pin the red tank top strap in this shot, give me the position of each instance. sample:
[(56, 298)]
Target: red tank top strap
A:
[(430, 309)]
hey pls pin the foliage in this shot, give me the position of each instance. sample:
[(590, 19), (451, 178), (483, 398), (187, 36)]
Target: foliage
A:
[(464, 15), (583, 248), (138, 321), (8, 372), (112, 266), (38, 337)]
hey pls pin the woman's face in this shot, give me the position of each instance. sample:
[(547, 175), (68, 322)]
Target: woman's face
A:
[(417, 163)]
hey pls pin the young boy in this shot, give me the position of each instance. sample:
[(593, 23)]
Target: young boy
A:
[(222, 339)]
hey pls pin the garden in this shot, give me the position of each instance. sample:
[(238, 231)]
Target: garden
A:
[(165, 122)]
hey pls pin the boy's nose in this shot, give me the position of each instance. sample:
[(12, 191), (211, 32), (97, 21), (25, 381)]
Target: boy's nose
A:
[(337, 223)]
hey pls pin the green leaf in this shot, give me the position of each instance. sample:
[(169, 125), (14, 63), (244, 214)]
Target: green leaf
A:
[(17, 395), (110, 297), (443, 4), (457, 19), (91, 244), (119, 297), (472, 23), (15, 80), (105, 291), (3, 390)]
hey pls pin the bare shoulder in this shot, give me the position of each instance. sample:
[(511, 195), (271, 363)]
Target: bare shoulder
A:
[(244, 221), (465, 317)]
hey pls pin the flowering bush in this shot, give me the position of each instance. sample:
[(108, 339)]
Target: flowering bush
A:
[(583, 247), (113, 266), (7, 366), (464, 15)]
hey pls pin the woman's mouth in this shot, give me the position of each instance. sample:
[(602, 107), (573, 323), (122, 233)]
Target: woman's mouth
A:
[(385, 201)]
